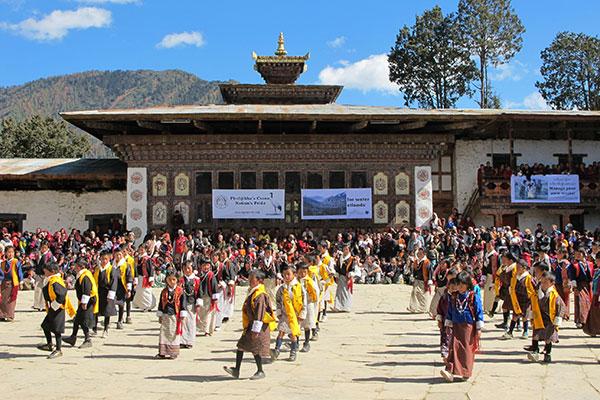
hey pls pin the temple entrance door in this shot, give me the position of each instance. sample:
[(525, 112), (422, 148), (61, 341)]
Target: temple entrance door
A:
[(511, 220)]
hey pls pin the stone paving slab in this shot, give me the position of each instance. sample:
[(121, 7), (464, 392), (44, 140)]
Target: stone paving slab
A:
[(377, 352)]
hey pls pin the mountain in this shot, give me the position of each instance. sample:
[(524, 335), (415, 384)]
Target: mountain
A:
[(106, 90)]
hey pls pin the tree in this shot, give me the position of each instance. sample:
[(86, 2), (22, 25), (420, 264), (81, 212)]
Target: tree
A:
[(428, 62), (493, 33), (571, 72), (40, 137)]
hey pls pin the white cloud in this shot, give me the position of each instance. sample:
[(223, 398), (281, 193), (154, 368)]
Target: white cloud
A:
[(533, 101), (57, 24), (181, 39), (514, 71), (337, 42), (110, 1), (368, 74)]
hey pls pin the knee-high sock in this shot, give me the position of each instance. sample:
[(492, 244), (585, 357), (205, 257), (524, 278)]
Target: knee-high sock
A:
[(306, 336), (58, 341), (75, 329), (106, 322), (128, 307), (239, 356), (535, 345), (525, 326), (48, 335), (505, 316), (86, 332), (278, 343), (121, 310), (548, 348), (258, 360), (513, 323)]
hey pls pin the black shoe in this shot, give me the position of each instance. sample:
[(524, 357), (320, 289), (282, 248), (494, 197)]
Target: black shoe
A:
[(225, 320), (258, 375), (70, 340), (233, 372), (45, 347), (314, 337), (547, 359), (501, 326), (94, 332), (119, 325), (55, 354), (293, 353), (128, 320), (530, 348), (86, 344)]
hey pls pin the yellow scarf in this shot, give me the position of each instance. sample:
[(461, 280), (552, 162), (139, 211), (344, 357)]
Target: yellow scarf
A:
[(13, 268), (309, 285), (531, 293), (268, 318), (131, 262), (123, 273), (97, 273), (538, 322), (325, 275), (67, 306), (293, 307), (498, 280), (94, 291)]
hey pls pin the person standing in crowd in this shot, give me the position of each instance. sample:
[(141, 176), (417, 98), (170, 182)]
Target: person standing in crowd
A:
[(130, 260), (592, 323), (309, 323), (57, 301), (521, 294), (560, 269), (421, 283), (465, 317), (345, 268), (44, 258), (87, 294), (257, 319), (490, 266), (11, 275), (209, 289), (580, 278), (440, 280), (170, 314), (268, 267), (124, 284), (106, 278), (192, 301), (144, 298)]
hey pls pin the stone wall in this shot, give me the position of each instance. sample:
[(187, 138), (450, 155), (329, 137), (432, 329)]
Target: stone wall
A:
[(52, 210)]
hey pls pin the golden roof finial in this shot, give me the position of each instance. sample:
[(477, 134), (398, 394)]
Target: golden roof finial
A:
[(280, 48)]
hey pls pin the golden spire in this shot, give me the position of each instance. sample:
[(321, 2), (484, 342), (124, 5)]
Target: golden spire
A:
[(280, 48)]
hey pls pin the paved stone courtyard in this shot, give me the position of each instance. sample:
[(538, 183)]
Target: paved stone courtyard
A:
[(377, 352)]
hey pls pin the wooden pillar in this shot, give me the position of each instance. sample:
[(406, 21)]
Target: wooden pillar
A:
[(511, 144), (570, 150)]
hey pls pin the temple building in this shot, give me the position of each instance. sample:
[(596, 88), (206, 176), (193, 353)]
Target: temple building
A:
[(284, 135)]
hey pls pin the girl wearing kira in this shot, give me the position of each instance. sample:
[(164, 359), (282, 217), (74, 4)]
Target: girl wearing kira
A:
[(257, 320), (465, 316)]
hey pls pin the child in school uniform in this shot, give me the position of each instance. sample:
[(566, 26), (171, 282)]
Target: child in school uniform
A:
[(521, 292), (465, 317), (170, 314), (312, 298), (291, 311), (548, 308)]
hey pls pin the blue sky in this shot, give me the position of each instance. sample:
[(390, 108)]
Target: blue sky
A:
[(347, 40)]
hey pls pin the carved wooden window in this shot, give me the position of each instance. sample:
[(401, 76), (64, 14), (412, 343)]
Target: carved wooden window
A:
[(270, 180), (314, 180), (358, 180), (248, 180), (337, 179), (203, 212), (204, 183), (225, 180), (292, 182)]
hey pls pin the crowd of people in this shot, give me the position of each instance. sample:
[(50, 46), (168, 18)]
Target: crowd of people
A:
[(458, 273), (587, 172)]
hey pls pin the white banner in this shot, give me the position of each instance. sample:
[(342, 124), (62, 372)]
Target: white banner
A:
[(137, 203), (336, 204), (423, 196), (544, 189), (248, 204)]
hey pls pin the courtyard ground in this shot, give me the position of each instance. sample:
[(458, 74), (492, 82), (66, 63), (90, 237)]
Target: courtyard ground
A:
[(378, 351)]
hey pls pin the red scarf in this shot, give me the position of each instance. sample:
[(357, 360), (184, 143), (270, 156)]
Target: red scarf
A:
[(164, 300)]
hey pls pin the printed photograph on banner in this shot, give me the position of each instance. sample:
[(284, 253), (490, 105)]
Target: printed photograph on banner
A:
[(336, 204), (545, 189)]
